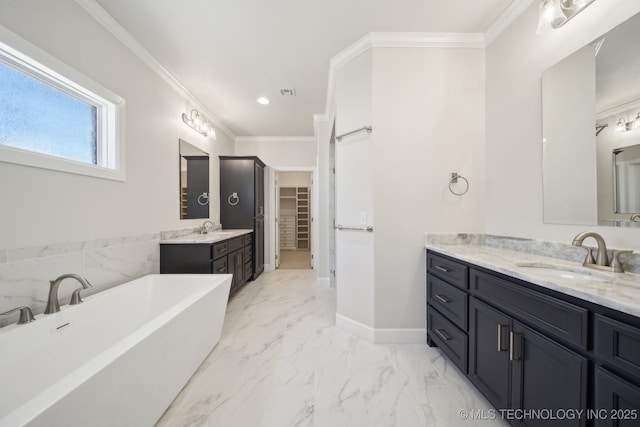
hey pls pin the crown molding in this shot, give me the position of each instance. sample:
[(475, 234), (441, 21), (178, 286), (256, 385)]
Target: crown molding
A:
[(397, 40), (444, 40), (626, 107), (110, 24), (512, 12), (271, 139)]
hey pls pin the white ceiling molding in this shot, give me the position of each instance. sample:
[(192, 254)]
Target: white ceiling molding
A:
[(268, 139), (631, 105), (108, 22), (514, 10), (444, 40), (398, 40)]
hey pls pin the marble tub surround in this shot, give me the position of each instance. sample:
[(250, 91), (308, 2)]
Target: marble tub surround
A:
[(282, 362), (25, 272), (614, 290), (210, 237)]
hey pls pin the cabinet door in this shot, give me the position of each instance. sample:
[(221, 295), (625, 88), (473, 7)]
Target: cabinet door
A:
[(546, 376), (617, 402), (235, 266), (258, 249), (185, 258), (489, 367)]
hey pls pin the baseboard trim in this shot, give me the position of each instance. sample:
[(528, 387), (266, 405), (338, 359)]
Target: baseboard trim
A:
[(381, 336), (354, 328), (268, 267)]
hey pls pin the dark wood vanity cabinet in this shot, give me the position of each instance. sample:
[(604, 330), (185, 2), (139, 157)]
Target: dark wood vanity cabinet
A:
[(231, 256), (530, 348)]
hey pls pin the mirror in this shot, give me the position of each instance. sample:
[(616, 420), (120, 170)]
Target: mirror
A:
[(590, 101), (194, 182)]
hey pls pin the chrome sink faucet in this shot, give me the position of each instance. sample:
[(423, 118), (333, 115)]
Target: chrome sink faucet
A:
[(53, 305), (601, 261), (204, 229)]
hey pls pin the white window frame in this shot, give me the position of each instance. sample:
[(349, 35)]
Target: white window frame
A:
[(110, 109)]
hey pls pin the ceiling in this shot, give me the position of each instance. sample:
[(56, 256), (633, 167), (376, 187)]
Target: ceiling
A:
[(228, 53)]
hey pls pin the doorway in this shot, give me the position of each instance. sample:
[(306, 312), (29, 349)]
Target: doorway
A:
[(294, 219)]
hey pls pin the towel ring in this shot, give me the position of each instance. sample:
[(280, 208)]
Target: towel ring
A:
[(454, 180), (233, 196), (203, 199)]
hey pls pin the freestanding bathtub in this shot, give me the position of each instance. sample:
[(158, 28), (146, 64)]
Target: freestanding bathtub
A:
[(118, 359)]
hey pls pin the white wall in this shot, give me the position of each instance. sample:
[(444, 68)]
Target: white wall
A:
[(294, 179), (515, 62), (279, 152), (46, 209), (569, 140), (354, 196), (428, 116), (426, 107)]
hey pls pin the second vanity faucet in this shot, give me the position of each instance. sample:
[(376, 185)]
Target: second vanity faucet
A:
[(601, 261), (204, 229), (53, 306)]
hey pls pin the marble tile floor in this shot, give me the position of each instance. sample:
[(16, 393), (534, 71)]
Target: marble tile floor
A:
[(282, 362)]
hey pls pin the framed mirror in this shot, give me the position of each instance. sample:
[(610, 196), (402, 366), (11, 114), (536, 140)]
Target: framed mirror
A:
[(194, 182), (590, 103)]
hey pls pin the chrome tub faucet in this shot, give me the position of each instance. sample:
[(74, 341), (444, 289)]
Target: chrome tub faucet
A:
[(53, 305), (26, 315)]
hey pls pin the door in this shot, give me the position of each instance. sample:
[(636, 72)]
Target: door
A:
[(616, 400), (546, 376), (332, 208), (489, 352), (276, 213)]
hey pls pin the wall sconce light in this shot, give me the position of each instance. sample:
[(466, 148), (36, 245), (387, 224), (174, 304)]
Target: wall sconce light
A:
[(199, 123), (625, 126), (554, 14)]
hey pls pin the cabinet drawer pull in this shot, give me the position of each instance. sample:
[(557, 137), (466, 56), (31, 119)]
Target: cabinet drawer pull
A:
[(442, 298), (512, 344), (442, 335), (500, 349), (221, 270), (222, 250), (441, 268)]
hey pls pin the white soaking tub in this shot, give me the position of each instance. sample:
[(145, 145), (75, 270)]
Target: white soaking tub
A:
[(118, 359)]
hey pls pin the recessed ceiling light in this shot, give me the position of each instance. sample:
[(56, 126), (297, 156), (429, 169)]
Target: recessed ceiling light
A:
[(263, 101)]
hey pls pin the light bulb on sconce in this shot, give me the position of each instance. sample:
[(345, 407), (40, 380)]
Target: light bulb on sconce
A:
[(621, 126), (636, 122), (199, 123), (554, 14)]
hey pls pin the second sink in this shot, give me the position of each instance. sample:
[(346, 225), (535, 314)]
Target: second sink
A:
[(564, 271)]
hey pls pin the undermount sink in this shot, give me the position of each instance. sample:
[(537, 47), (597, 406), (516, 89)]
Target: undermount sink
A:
[(565, 271)]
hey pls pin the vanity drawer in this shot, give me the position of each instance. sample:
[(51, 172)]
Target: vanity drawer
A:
[(618, 344), (219, 250), (235, 243), (561, 319), (449, 270), (448, 337), (449, 300), (248, 239), (220, 266), (247, 253)]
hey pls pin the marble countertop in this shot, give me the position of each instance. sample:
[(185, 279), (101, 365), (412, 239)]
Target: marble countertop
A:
[(619, 291), (210, 237)]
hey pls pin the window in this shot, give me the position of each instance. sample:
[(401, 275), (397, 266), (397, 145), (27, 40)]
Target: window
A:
[(53, 117)]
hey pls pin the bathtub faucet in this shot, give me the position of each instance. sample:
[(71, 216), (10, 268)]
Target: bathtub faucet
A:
[(53, 306)]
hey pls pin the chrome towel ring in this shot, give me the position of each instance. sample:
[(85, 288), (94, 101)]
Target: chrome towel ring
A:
[(454, 180), (235, 197), (203, 199)]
